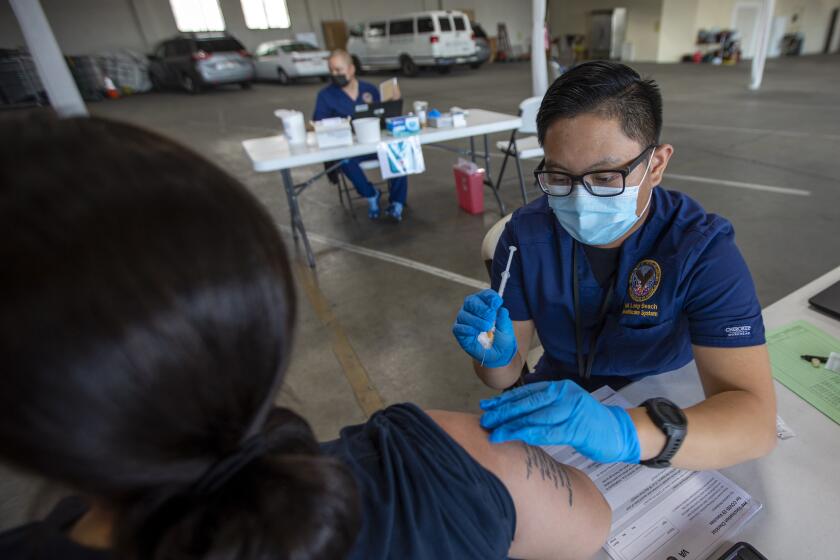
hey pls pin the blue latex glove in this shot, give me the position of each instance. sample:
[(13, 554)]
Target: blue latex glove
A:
[(562, 413), (479, 313)]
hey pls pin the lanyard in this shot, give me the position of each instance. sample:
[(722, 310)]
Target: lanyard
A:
[(585, 368)]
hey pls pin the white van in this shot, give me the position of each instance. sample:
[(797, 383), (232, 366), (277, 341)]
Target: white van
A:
[(439, 39)]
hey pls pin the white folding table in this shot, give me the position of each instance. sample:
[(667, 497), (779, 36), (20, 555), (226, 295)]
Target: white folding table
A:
[(276, 154), (798, 481)]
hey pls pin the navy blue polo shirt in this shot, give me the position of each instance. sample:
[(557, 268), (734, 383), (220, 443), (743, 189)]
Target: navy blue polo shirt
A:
[(681, 280), (333, 102)]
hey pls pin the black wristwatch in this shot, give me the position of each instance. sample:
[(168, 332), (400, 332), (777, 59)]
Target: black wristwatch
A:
[(669, 418)]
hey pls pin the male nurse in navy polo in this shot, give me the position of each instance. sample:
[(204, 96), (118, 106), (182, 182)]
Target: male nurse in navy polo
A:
[(621, 279), (342, 98)]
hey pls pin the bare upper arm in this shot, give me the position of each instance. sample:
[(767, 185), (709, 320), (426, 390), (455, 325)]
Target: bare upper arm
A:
[(524, 333), (559, 512), (736, 369)]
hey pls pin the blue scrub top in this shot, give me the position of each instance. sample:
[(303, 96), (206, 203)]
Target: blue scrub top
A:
[(333, 102), (680, 281)]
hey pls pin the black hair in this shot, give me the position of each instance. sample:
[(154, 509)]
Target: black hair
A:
[(608, 88), (148, 310)]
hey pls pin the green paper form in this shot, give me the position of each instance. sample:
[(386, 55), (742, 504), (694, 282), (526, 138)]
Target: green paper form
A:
[(817, 386)]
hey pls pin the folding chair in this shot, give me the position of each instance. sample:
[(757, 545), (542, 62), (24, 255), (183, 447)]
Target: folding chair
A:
[(337, 178), (527, 147)]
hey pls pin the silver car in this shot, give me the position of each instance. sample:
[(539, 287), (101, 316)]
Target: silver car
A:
[(285, 60), (195, 60)]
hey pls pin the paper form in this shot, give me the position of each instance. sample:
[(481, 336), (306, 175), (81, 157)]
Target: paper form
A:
[(662, 513), (817, 386)]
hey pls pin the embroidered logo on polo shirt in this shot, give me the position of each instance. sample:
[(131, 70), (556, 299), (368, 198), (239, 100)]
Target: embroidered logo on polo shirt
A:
[(367, 97), (644, 280)]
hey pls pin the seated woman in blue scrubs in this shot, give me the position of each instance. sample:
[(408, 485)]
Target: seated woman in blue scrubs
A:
[(344, 97), (621, 279), (147, 325)]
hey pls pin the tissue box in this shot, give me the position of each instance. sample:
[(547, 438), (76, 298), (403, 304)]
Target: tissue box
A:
[(403, 126), (331, 133)]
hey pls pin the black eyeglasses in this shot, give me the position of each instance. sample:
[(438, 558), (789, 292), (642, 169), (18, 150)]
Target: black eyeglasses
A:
[(607, 182)]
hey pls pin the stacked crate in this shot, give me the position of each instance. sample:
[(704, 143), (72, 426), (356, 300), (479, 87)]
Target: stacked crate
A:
[(19, 80)]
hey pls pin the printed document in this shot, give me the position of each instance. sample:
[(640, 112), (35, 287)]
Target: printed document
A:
[(663, 514)]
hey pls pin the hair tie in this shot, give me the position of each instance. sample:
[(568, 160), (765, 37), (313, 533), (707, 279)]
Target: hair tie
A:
[(226, 468)]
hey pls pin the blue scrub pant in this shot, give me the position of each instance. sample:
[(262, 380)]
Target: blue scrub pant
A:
[(397, 187)]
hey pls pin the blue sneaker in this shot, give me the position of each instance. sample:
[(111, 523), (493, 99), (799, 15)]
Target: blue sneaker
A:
[(373, 206), (394, 211)]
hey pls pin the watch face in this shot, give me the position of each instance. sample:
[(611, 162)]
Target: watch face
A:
[(670, 413)]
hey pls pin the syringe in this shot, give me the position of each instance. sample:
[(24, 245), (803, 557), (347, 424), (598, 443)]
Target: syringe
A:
[(486, 338)]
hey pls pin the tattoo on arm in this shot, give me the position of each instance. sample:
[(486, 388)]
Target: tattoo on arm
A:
[(539, 461)]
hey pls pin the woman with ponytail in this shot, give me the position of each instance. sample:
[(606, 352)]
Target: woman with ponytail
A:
[(148, 313)]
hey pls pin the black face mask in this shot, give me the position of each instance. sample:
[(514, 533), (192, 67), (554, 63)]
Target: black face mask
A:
[(339, 79)]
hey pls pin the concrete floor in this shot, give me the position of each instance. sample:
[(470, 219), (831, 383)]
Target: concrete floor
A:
[(371, 321)]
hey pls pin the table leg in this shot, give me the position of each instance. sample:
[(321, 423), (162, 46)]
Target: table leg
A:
[(472, 148), (297, 219), (488, 178), (487, 156), (519, 173)]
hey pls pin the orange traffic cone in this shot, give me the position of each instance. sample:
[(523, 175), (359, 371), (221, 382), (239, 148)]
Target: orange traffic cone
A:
[(111, 89)]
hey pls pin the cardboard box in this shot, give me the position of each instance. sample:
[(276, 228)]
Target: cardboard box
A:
[(335, 34)]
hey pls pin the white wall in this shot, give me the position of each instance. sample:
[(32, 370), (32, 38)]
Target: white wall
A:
[(678, 29), (812, 20), (91, 26), (643, 21), (715, 13), (660, 30), (516, 15), (664, 30), (813, 17), (78, 25)]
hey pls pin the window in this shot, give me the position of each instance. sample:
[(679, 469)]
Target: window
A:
[(357, 30), (445, 23), (425, 25), (197, 15), (298, 47), (376, 29), (266, 50), (266, 14), (478, 30), (221, 44), (401, 27), (170, 49), (459, 24), (183, 47)]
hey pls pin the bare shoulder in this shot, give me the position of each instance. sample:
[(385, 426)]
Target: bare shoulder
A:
[(560, 513)]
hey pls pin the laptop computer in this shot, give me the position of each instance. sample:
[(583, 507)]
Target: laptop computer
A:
[(384, 110), (828, 300)]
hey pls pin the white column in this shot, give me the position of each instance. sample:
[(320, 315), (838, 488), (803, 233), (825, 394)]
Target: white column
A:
[(765, 24), (61, 89), (539, 70)]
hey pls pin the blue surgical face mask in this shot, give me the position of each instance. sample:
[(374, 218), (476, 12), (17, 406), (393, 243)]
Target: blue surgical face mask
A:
[(598, 220)]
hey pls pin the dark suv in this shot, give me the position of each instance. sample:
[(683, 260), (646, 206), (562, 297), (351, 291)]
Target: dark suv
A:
[(195, 60)]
